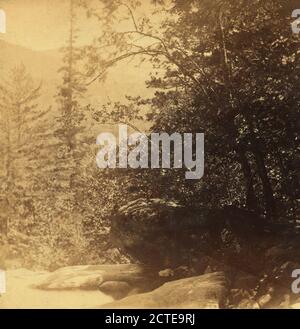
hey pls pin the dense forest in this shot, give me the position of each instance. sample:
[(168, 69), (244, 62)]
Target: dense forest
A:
[(228, 69)]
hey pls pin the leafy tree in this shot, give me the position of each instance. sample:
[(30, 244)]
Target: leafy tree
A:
[(229, 69)]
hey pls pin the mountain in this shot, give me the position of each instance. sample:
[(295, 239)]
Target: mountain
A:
[(123, 79), (41, 66)]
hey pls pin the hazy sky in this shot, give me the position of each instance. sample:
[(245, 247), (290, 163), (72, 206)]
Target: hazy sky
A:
[(44, 24), (40, 24)]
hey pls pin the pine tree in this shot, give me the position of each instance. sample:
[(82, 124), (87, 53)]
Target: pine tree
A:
[(71, 133), (23, 128), (71, 116)]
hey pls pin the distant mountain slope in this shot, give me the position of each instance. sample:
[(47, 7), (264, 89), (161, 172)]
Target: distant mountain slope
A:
[(124, 79), (42, 67), (39, 64)]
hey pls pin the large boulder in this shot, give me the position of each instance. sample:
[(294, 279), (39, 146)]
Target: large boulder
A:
[(157, 231), (205, 291), (153, 230)]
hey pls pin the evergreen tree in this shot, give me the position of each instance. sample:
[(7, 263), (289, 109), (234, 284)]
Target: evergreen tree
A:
[(70, 132), (23, 128), (72, 148)]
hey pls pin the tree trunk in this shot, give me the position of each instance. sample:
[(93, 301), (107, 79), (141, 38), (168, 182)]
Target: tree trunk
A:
[(263, 175), (251, 200)]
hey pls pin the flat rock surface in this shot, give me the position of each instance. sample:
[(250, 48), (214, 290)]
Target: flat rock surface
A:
[(90, 277), (204, 291)]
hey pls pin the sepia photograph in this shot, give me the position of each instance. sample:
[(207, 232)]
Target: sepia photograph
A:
[(150, 156)]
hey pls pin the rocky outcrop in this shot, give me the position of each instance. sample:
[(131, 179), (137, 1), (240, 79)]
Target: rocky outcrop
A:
[(148, 230), (231, 289), (205, 291), (165, 233), (209, 258)]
